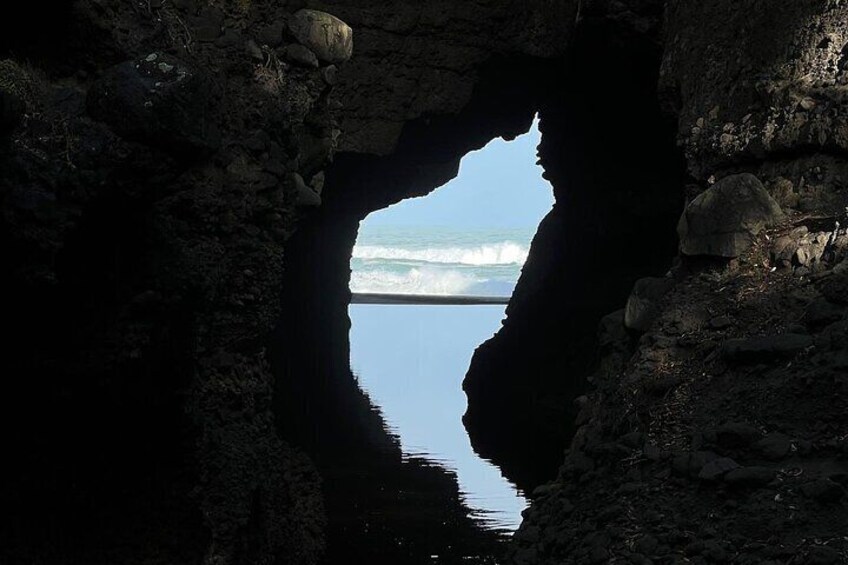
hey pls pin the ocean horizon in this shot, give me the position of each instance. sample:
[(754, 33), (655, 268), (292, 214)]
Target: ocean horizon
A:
[(439, 261), (424, 299)]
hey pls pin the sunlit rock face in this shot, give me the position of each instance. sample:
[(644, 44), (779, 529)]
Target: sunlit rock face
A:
[(738, 374), (723, 220), (417, 59), (763, 88)]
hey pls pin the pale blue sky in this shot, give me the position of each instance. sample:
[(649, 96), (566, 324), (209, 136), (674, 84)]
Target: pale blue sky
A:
[(412, 359), (413, 369), (499, 186)]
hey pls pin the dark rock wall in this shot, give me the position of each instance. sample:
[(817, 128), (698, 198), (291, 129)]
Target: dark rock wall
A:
[(157, 163), (150, 158), (326, 413), (610, 154), (417, 59), (429, 83), (727, 408)]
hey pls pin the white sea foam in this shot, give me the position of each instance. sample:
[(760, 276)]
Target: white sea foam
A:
[(505, 253), (443, 282)]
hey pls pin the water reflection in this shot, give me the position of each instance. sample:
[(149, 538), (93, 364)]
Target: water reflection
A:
[(411, 361)]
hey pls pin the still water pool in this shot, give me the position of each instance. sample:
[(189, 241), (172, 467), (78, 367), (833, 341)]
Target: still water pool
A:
[(411, 360)]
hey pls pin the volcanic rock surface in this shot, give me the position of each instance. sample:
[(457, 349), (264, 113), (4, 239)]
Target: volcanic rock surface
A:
[(181, 184)]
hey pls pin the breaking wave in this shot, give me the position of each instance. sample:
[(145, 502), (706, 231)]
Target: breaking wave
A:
[(415, 281), (506, 253)]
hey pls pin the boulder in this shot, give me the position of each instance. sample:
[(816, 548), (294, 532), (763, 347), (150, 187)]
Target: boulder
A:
[(611, 329), (691, 464), (750, 476), (324, 34), (305, 195), (717, 468), (774, 447), (821, 312), (723, 220), (643, 304), (301, 55), (823, 490), (765, 348)]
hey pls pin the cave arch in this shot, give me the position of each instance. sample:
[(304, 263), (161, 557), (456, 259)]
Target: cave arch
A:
[(609, 152)]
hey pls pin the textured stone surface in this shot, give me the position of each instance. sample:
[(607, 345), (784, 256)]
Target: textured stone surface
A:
[(145, 208), (724, 219), (148, 245), (416, 59), (324, 34), (156, 99), (755, 82), (643, 304)]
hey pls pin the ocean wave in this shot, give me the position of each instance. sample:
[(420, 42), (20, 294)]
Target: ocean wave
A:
[(505, 253), (415, 281)]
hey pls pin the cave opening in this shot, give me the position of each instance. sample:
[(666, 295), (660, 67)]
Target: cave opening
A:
[(430, 279), (609, 152)]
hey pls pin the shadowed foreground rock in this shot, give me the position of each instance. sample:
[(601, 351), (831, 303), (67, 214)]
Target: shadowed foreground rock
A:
[(723, 220), (181, 185)]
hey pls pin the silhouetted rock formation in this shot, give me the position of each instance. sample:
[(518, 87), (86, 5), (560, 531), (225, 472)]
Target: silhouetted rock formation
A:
[(180, 178)]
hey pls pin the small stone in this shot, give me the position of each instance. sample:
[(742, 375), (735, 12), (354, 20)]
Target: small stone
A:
[(330, 74), (823, 490), (229, 38), (698, 460), (317, 182), (254, 51), (717, 468), (823, 555), (750, 476), (821, 312), (302, 56), (643, 304), (774, 447), (305, 195), (327, 36)]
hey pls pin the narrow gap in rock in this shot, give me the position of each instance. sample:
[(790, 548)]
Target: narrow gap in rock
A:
[(430, 281)]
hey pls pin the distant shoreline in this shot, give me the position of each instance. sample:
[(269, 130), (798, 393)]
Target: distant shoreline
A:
[(427, 299)]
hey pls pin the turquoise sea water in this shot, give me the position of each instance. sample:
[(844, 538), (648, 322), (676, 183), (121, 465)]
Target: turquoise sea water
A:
[(439, 261), (411, 360)]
